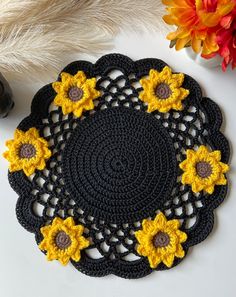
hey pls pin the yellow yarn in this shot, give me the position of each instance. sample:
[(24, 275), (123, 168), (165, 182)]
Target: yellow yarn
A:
[(167, 253), (30, 164), (192, 177), (86, 86), (74, 233), (171, 81)]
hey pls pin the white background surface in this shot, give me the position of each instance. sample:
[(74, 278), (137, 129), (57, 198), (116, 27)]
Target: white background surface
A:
[(209, 268)]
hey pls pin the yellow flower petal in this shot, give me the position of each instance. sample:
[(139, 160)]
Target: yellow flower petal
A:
[(169, 19), (47, 153), (43, 245), (154, 261), (145, 83), (182, 236), (14, 167), (83, 242), (45, 230), (58, 100), (51, 256), (216, 155), (174, 225), (148, 225), (147, 240), (74, 232), (166, 72), (210, 19), (198, 182), (41, 165), (65, 77), (6, 155), (81, 77), (29, 170), (89, 106), (91, 83), (197, 187), (67, 109), (78, 80), (178, 79), (224, 167), (180, 43), (151, 108), (18, 134), (161, 220), (226, 8), (177, 106), (139, 235), (79, 229), (33, 132), (168, 260), (186, 178), (56, 86), (9, 143), (173, 81), (190, 154), (78, 112), (57, 222), (199, 4), (64, 260), (222, 180), (179, 33), (209, 189), (183, 93), (196, 45), (153, 75), (77, 256), (69, 222), (141, 249), (183, 165), (180, 253), (27, 164), (203, 150)]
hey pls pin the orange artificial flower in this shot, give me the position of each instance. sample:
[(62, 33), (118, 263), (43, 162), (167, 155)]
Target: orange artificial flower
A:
[(195, 20)]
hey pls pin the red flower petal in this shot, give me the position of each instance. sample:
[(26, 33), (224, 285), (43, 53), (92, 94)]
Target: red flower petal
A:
[(226, 21)]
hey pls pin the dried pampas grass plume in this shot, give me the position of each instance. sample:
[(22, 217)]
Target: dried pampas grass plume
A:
[(36, 35), (28, 52)]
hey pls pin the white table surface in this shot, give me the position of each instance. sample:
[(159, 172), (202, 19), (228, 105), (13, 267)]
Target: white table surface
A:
[(209, 268)]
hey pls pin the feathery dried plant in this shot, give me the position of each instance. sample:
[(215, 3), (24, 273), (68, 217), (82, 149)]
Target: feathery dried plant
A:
[(36, 35)]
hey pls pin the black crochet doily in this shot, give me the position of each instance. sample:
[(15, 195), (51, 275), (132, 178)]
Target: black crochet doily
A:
[(118, 164)]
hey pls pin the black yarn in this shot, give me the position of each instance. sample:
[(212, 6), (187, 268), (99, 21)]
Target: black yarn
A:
[(118, 164)]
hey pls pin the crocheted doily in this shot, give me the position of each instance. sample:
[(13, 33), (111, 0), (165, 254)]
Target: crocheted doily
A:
[(119, 166)]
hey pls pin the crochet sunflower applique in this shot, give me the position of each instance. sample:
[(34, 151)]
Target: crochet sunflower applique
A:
[(203, 170), (162, 90), (75, 93), (63, 240), (160, 241), (27, 151)]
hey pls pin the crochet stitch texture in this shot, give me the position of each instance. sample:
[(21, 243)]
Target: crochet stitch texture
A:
[(116, 167)]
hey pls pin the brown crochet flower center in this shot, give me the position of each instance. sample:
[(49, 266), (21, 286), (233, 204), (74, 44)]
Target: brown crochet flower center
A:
[(161, 239), (163, 91), (62, 240), (75, 94), (27, 151), (203, 169)]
